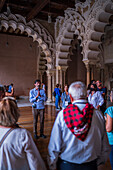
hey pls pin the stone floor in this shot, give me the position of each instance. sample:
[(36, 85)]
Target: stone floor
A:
[(26, 121), (23, 101)]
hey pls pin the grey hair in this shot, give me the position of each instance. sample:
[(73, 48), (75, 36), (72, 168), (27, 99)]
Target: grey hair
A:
[(77, 90)]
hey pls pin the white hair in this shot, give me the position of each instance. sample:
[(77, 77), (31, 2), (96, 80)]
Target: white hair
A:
[(77, 90)]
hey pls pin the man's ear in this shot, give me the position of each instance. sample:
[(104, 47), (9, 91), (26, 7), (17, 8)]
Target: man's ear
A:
[(71, 98)]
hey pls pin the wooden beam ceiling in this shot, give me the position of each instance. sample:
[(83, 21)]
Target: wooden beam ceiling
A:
[(38, 9), (2, 2), (61, 5), (53, 13), (19, 6), (40, 5)]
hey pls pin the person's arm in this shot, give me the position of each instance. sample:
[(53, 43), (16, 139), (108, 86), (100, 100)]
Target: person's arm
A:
[(55, 144), (42, 95), (32, 97), (32, 154), (12, 91), (109, 123), (7, 94)]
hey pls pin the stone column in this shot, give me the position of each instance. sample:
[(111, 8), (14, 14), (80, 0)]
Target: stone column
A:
[(86, 62), (49, 86), (62, 75), (92, 72), (61, 78), (53, 82), (58, 68), (88, 73), (56, 75)]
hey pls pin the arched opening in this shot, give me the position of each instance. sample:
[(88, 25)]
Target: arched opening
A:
[(21, 54)]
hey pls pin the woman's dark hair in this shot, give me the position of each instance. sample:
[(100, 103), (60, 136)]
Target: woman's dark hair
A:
[(57, 85), (88, 88), (95, 87), (37, 81), (92, 81)]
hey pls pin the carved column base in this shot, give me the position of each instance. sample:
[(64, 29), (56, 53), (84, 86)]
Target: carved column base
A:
[(49, 101)]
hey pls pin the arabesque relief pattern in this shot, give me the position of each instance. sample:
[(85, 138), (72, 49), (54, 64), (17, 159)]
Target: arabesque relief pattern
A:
[(86, 22)]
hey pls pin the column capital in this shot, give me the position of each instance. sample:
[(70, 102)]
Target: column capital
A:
[(86, 62), (64, 68), (50, 72)]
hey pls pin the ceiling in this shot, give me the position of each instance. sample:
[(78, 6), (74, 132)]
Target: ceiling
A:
[(38, 9)]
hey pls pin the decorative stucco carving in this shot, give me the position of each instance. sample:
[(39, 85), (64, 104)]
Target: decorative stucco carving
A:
[(87, 21), (33, 29)]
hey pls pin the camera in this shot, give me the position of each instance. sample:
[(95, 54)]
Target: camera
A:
[(34, 105)]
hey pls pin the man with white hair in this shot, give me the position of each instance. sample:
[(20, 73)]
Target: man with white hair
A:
[(78, 139)]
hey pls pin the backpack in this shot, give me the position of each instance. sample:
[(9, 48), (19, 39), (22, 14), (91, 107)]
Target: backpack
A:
[(54, 93)]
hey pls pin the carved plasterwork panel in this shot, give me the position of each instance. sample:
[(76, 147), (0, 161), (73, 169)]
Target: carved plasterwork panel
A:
[(83, 18)]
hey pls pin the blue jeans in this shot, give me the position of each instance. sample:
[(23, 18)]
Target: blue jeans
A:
[(111, 156), (57, 98)]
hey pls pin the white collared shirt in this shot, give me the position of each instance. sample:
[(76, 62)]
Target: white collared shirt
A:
[(96, 99), (65, 145)]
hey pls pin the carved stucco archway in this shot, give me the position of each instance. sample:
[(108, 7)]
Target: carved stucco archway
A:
[(87, 21), (39, 34), (33, 29)]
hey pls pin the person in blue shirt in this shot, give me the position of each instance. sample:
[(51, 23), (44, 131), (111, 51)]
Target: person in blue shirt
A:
[(109, 127), (10, 88), (103, 91), (10, 91), (57, 96), (65, 97), (38, 97)]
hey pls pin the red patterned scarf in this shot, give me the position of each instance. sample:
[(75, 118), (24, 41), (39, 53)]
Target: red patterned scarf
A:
[(79, 122)]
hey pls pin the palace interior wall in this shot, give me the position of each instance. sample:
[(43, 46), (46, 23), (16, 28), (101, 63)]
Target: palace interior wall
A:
[(18, 62)]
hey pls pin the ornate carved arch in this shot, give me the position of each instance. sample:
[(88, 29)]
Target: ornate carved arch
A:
[(88, 21), (35, 30)]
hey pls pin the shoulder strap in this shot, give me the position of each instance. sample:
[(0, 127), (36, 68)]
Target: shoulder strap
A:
[(4, 137)]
